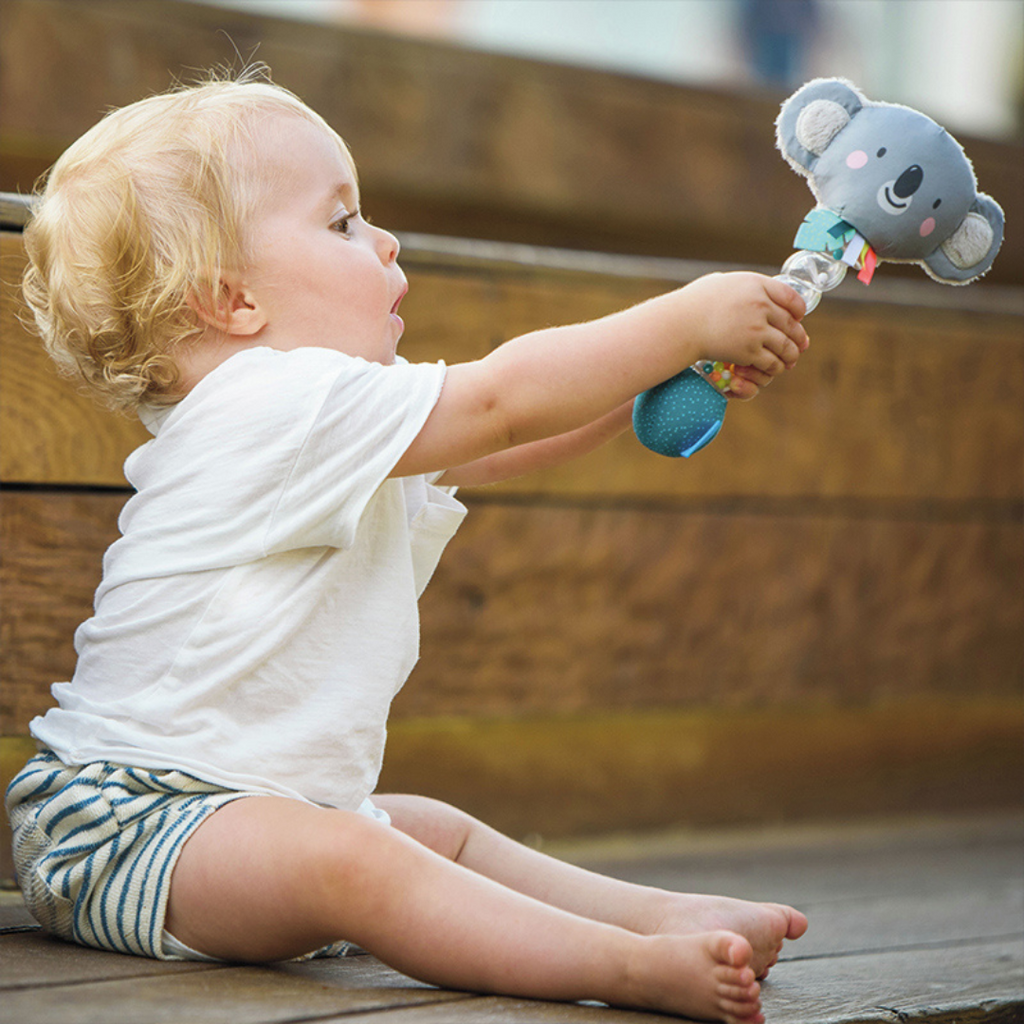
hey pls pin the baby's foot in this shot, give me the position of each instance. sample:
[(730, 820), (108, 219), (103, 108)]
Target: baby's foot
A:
[(706, 976), (765, 925)]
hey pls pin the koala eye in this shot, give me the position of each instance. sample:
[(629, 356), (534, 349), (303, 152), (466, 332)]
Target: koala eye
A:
[(881, 152), (936, 204)]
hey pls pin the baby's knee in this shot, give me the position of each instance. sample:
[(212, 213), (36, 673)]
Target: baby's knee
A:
[(434, 823)]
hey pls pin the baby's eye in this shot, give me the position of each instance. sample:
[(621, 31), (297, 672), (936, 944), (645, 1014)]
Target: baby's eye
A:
[(344, 224)]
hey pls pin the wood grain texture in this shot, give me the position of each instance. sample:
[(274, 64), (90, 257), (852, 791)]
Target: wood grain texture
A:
[(31, 959), (51, 548), (959, 984), (889, 884), (584, 774), (540, 610), (51, 431), (246, 995), (451, 140), (892, 403)]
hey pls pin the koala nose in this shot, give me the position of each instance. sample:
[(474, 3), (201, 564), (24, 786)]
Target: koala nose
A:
[(908, 182)]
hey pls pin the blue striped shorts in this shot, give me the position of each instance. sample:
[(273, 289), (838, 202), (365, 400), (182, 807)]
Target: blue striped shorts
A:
[(95, 845)]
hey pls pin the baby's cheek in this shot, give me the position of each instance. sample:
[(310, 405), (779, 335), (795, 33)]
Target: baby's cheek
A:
[(857, 159)]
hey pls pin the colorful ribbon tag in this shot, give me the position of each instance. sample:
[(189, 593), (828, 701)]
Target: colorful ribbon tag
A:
[(868, 270), (825, 231)]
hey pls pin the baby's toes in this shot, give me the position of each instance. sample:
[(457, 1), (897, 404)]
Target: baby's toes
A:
[(740, 994), (730, 950), (741, 1013), (797, 921)]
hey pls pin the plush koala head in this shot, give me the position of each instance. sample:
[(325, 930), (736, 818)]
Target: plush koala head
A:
[(901, 180)]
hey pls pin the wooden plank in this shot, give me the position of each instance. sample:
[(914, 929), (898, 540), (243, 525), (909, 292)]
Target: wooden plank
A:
[(586, 609), (572, 775), (455, 141), (502, 1010), (957, 984), (50, 565), (52, 432), (240, 995), (875, 858), (633, 608), (14, 915), (871, 887), (890, 403), (30, 960), (961, 985), (15, 210), (873, 923), (894, 403)]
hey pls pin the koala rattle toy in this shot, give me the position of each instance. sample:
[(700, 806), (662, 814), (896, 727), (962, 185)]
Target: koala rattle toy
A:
[(891, 185)]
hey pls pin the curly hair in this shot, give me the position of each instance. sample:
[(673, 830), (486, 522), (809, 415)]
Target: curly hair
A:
[(138, 219)]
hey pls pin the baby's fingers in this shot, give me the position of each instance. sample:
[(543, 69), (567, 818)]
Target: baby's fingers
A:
[(785, 315), (747, 382), (787, 297), (777, 353)]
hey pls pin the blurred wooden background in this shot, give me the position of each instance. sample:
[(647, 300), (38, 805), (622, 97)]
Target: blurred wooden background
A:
[(821, 615)]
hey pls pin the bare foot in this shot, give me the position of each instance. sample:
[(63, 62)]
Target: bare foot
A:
[(765, 925), (706, 976)]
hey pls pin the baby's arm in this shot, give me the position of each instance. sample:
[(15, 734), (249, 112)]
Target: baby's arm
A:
[(551, 451), (556, 381)]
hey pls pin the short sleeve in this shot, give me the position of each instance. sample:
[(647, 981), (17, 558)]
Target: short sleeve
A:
[(270, 452), (368, 416)]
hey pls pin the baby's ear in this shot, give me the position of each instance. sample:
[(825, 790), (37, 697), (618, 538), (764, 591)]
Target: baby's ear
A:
[(232, 308), (812, 117), (971, 249)]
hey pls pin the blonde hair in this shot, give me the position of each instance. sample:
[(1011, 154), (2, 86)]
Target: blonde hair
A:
[(138, 218)]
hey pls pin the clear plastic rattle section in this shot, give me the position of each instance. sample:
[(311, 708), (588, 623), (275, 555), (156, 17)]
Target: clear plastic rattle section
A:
[(811, 273)]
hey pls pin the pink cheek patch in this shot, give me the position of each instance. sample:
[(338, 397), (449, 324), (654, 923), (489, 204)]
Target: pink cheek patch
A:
[(927, 227), (857, 159)]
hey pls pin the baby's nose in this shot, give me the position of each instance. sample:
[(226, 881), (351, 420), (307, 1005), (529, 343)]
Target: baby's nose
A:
[(390, 246), (908, 182)]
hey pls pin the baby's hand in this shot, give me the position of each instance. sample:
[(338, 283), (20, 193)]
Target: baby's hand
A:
[(752, 321), (747, 382)]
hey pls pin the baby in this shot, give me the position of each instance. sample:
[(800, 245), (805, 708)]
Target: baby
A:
[(204, 788)]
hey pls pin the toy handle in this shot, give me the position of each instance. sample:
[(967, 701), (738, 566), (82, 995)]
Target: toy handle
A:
[(684, 413)]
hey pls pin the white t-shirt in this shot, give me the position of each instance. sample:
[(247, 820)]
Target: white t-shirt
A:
[(259, 611)]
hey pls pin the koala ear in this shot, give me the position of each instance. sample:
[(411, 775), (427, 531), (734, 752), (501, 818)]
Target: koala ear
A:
[(812, 117), (819, 123), (971, 249)]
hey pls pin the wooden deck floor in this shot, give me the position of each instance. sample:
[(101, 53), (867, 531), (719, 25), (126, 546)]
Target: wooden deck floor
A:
[(910, 922)]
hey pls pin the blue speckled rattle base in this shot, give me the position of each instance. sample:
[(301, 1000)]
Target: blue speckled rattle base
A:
[(679, 416)]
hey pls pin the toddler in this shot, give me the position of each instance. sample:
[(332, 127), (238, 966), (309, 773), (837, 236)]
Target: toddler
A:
[(204, 788)]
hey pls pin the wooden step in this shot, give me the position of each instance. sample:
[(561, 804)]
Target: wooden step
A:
[(849, 548), (454, 141)]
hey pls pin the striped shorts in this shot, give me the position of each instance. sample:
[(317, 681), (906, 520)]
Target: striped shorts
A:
[(95, 845)]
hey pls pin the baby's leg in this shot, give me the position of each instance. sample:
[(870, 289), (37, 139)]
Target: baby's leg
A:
[(268, 878), (642, 909)]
